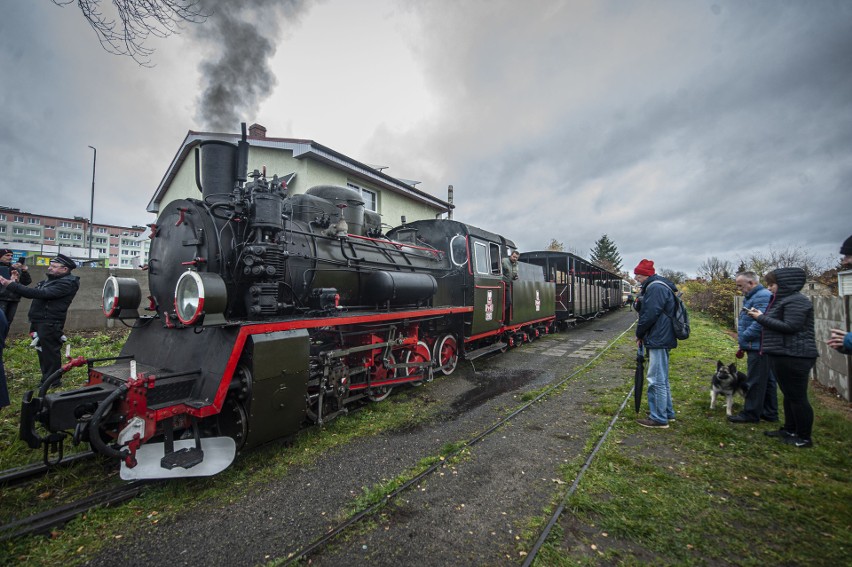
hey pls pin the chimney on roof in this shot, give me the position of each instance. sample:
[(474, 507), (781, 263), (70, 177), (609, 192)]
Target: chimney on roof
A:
[(257, 131)]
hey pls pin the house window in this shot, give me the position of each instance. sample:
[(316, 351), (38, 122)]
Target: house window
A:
[(33, 232), (33, 221), (370, 197), (2, 217), (18, 219), (49, 239), (17, 230), (78, 237), (65, 236), (100, 240), (65, 224), (102, 230)]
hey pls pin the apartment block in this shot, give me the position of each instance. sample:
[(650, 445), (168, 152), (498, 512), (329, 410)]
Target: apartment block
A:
[(40, 237)]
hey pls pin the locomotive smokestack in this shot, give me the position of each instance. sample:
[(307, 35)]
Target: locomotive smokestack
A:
[(450, 201), (242, 158)]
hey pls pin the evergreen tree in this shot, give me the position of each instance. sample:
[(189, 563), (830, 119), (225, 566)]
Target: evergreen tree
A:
[(605, 254)]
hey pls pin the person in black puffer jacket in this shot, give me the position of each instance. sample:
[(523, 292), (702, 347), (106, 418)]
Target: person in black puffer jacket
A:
[(789, 340)]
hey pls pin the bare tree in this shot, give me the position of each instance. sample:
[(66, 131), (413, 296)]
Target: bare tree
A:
[(555, 246), (715, 269), (762, 263), (135, 21), (673, 276)]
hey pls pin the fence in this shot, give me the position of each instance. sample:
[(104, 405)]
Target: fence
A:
[(832, 368)]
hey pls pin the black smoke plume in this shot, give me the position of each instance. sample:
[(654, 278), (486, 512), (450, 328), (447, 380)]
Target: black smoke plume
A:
[(236, 76)]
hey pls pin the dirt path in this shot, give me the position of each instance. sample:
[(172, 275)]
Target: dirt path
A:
[(469, 513)]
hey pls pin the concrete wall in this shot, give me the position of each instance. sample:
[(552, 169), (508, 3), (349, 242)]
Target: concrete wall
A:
[(832, 368), (85, 311)]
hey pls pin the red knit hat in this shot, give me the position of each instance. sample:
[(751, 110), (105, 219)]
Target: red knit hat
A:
[(645, 268)]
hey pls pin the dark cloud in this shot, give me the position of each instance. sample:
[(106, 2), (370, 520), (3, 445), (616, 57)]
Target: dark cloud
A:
[(682, 130)]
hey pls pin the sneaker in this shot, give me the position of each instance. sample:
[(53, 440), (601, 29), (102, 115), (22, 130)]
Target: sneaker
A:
[(652, 423), (782, 433), (671, 419), (797, 441), (740, 418)]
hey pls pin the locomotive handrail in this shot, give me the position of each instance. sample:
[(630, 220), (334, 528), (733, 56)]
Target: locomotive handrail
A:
[(398, 245)]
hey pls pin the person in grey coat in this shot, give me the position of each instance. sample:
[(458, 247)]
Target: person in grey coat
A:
[(789, 340), (761, 400)]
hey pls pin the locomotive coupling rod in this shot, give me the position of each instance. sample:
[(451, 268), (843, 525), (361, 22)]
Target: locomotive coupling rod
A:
[(346, 351)]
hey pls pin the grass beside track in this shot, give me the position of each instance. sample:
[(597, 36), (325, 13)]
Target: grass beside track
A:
[(704, 491), (701, 492)]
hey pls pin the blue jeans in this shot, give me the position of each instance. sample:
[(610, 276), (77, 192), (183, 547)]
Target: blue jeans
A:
[(659, 393)]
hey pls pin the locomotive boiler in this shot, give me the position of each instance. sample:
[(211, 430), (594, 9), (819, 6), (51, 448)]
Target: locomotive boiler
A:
[(268, 310)]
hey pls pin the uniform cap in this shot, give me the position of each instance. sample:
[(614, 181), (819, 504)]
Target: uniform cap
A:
[(65, 261)]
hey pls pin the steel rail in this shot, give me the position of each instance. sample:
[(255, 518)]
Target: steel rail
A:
[(20, 474), (43, 522)]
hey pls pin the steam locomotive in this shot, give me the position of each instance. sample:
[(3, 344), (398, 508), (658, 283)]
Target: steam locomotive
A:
[(270, 309)]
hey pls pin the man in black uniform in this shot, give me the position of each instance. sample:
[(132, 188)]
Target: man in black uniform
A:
[(8, 299), (51, 299)]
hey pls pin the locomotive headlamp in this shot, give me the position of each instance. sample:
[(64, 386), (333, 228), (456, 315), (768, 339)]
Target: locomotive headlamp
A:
[(121, 297), (200, 298)]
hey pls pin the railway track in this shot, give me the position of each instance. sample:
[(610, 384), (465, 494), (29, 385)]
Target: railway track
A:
[(333, 533), (46, 521), (18, 475)]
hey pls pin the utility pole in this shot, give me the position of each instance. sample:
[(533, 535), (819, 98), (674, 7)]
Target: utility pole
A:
[(92, 207)]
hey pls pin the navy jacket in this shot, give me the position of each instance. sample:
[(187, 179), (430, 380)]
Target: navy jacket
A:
[(788, 324), (51, 297), (749, 330), (656, 306)]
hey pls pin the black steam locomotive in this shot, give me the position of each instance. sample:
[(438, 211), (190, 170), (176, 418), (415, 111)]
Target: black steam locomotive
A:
[(269, 309)]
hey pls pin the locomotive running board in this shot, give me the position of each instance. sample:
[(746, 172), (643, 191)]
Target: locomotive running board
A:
[(219, 453), (474, 354)]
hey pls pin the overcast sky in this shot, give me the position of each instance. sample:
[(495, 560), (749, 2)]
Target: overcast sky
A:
[(682, 130)]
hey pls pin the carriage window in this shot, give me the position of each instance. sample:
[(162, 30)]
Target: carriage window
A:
[(480, 253), (496, 263), (458, 250)]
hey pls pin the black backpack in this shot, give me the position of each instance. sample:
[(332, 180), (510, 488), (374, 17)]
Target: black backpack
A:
[(680, 320)]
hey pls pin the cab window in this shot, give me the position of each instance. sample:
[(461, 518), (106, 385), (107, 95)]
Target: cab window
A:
[(458, 250)]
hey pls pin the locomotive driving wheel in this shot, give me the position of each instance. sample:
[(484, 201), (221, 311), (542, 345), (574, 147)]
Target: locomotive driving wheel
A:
[(419, 354), (232, 421), (379, 373), (447, 354)]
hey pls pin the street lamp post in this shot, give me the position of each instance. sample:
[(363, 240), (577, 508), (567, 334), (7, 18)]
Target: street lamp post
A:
[(92, 207)]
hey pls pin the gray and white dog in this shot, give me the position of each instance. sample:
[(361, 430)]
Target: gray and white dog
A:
[(728, 381)]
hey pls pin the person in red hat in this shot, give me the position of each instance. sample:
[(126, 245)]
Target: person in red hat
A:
[(51, 299), (8, 299), (655, 331)]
